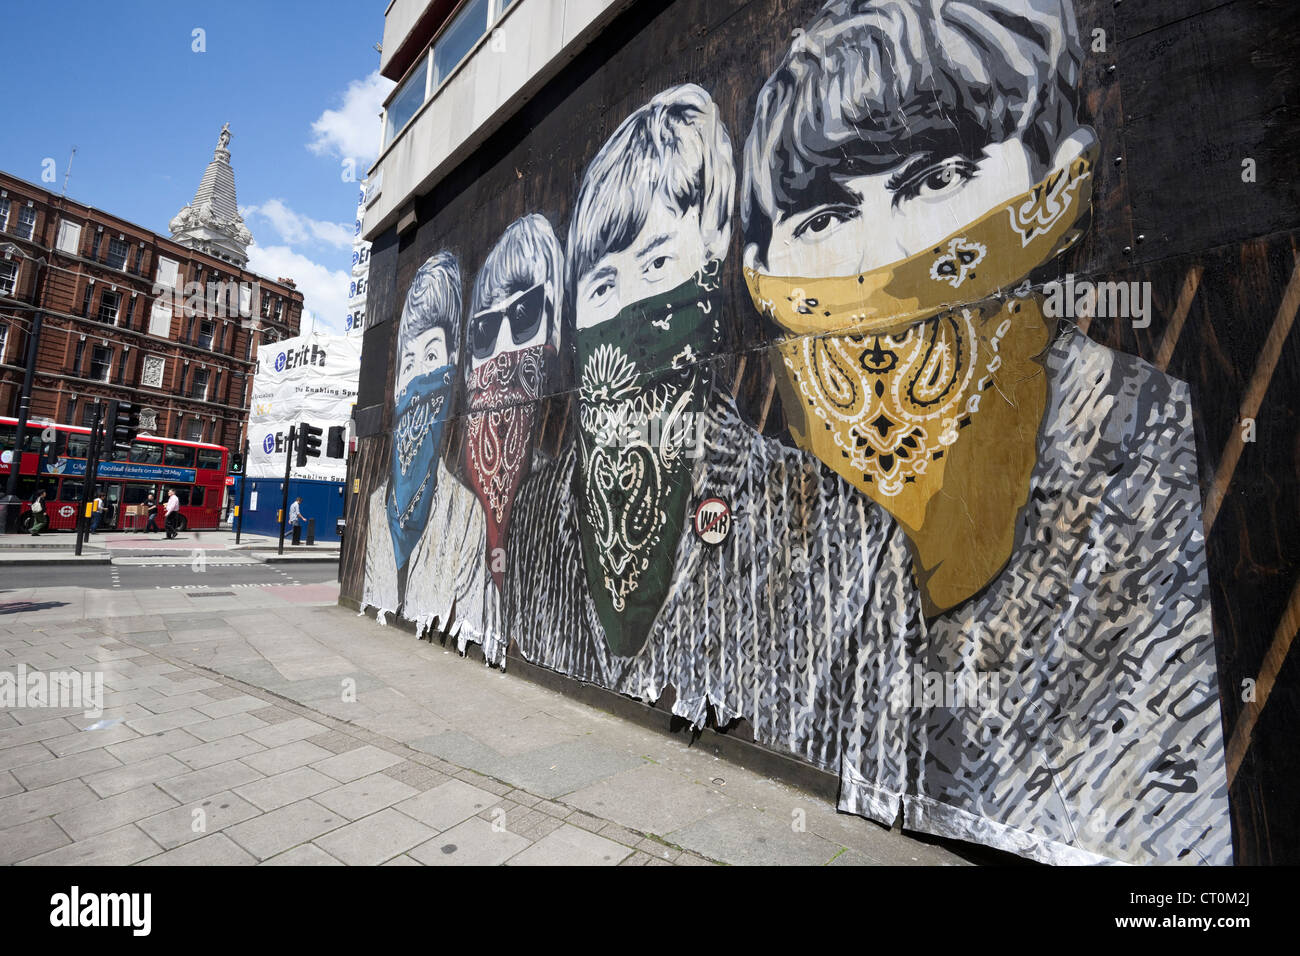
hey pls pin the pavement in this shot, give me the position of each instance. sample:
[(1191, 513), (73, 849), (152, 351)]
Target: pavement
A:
[(117, 547), (271, 726)]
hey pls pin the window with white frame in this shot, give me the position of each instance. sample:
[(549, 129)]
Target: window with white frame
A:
[(160, 319), (117, 251), (194, 430), (199, 384), (206, 331), (153, 371), (4, 338), (101, 362), (8, 277), (168, 270), (4, 214), (109, 305), (26, 222), (69, 240)]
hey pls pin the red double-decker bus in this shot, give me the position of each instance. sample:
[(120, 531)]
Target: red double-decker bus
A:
[(53, 457)]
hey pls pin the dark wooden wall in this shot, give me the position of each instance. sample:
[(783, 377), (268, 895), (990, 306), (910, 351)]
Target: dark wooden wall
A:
[(1185, 91)]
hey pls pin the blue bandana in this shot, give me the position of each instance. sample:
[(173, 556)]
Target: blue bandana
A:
[(422, 409)]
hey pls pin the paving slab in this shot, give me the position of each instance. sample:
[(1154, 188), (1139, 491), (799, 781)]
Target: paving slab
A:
[(571, 846)]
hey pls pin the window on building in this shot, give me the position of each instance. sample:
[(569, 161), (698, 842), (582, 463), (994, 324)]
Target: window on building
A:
[(92, 249), (69, 240), (130, 310), (26, 224), (117, 250), (141, 257), (4, 338), (8, 278), (160, 319), (199, 384), (88, 415), (266, 306), (152, 371), (101, 362), (194, 432), (121, 367), (279, 308), (85, 298), (459, 38), (167, 271), (206, 331), (109, 304), (4, 214), (76, 362), (407, 102)]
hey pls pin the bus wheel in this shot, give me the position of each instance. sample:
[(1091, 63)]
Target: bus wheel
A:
[(25, 523), (181, 523)]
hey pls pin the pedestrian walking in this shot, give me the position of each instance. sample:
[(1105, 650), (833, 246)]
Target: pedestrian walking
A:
[(173, 516), (97, 514), (40, 514), (296, 518)]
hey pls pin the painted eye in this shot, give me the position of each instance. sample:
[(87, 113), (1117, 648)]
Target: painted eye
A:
[(819, 224), (599, 292), (933, 180)]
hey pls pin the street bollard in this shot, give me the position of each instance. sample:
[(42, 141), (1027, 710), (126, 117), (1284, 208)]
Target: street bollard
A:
[(311, 531)]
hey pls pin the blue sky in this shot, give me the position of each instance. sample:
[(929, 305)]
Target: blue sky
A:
[(121, 81)]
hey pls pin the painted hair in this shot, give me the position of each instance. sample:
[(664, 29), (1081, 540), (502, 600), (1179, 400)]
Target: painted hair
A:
[(526, 254), (674, 147), (433, 302), (872, 82)]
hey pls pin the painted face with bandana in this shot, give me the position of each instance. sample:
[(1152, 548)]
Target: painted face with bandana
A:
[(646, 315), (512, 356), (422, 395), (905, 365)]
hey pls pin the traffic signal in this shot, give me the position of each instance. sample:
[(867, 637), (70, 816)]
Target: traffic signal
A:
[(236, 462), (308, 443), (122, 423), (334, 447)]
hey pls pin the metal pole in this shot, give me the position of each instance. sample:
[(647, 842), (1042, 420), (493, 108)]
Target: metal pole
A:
[(347, 500), (284, 502), (92, 475), (243, 489)]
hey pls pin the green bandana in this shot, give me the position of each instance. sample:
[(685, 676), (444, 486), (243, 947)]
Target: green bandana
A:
[(643, 381)]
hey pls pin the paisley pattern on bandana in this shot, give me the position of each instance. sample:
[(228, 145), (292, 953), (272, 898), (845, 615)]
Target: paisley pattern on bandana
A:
[(502, 399), (642, 386), (422, 408)]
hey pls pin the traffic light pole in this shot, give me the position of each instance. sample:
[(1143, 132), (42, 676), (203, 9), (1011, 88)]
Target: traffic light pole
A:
[(284, 500), (243, 489), (92, 476)]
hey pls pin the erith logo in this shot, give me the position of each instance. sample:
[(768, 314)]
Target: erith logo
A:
[(307, 355), (103, 909)]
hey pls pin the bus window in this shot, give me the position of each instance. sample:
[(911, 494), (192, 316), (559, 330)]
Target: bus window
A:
[(6, 436), (180, 456), (147, 453), (32, 440), (117, 452), (28, 485), (78, 445), (210, 458), (71, 490), (196, 496), (137, 493)]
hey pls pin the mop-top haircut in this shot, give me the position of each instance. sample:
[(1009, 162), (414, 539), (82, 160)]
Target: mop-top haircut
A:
[(675, 147), (872, 82), (526, 254), (433, 302)]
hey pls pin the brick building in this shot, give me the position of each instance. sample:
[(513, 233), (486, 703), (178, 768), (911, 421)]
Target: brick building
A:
[(185, 355)]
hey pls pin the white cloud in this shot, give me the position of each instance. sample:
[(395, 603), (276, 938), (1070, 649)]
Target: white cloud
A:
[(353, 130), (295, 228), (324, 290)]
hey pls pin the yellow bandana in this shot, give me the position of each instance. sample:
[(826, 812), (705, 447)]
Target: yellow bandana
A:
[(923, 386)]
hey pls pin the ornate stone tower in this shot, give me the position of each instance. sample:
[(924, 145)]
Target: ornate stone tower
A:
[(211, 222)]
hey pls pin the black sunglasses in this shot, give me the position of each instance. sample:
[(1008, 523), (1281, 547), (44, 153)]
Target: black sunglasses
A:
[(524, 314)]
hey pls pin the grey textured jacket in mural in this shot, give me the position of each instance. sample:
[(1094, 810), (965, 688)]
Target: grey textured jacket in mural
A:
[(769, 626), (1105, 738)]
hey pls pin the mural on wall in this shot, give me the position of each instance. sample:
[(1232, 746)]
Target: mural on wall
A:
[(972, 581)]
